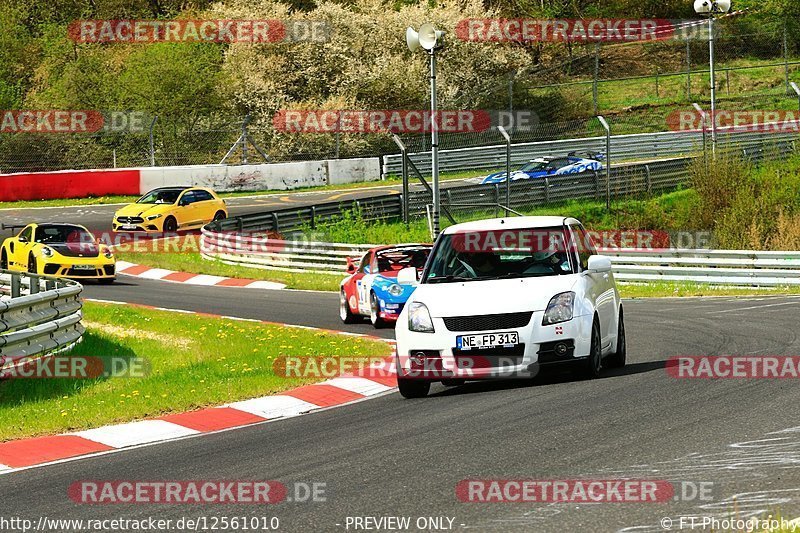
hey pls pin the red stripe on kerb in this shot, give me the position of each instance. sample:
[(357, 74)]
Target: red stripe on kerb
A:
[(28, 452)]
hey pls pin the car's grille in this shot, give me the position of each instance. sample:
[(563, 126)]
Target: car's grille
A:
[(51, 269), (82, 273), (130, 220), (488, 322), (109, 270)]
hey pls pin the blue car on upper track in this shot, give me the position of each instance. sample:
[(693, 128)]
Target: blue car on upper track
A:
[(572, 163)]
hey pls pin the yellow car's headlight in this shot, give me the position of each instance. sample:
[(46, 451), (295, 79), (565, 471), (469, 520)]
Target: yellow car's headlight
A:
[(47, 252), (153, 217)]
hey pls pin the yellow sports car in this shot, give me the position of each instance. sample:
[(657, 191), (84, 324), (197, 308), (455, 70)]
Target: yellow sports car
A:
[(63, 250), (169, 209)]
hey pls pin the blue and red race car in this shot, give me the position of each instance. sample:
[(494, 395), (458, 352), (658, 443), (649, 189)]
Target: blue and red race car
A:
[(573, 163), (372, 289)]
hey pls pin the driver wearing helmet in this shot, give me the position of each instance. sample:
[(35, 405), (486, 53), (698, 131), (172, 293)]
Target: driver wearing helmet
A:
[(476, 264), (545, 262)]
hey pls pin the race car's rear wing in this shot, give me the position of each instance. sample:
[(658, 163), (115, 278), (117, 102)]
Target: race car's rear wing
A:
[(11, 227)]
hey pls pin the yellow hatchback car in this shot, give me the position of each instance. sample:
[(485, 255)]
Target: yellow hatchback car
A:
[(169, 209), (62, 250)]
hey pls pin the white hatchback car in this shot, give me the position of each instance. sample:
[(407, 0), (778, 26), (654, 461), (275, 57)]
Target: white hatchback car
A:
[(500, 297)]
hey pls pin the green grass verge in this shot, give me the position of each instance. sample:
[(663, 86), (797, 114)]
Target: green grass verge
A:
[(681, 290), (194, 362), (669, 211)]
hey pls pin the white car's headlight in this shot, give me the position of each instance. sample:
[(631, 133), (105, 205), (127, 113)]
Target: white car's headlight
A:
[(419, 319), (153, 217), (395, 289), (47, 252), (559, 309)]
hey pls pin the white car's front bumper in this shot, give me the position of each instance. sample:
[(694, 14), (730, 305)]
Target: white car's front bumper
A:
[(434, 355)]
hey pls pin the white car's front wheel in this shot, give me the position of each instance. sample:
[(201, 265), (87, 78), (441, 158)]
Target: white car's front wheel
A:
[(592, 365)]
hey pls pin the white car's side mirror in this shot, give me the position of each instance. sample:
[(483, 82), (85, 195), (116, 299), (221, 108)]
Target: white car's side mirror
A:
[(599, 263), (408, 276)]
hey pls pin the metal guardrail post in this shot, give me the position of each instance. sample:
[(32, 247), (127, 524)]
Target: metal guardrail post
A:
[(16, 285), (404, 154), (33, 284), (507, 137), (608, 159), (647, 180), (704, 117), (152, 144), (313, 212), (546, 190)]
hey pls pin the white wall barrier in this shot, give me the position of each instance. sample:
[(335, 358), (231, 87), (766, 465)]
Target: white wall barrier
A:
[(272, 176)]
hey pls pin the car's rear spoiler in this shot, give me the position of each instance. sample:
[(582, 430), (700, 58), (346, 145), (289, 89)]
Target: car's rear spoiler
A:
[(11, 227)]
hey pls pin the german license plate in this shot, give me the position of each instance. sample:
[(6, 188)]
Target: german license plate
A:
[(83, 267), (486, 340), (128, 226)]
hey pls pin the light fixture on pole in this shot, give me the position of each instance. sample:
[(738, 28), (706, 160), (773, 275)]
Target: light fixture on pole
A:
[(712, 8), (430, 39)]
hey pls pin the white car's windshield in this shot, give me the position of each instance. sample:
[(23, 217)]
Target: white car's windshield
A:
[(513, 253)]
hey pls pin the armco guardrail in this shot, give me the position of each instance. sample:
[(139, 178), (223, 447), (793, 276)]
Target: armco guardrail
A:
[(276, 254), (640, 146), (627, 180), (726, 267), (38, 315), (719, 267)]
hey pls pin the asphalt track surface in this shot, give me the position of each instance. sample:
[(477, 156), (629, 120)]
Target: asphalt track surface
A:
[(98, 217), (393, 457)]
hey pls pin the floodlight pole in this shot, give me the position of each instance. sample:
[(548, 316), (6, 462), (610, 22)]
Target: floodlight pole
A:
[(434, 147), (703, 116), (713, 85), (606, 127)]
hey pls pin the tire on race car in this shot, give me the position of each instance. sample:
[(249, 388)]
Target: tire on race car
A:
[(347, 316), (590, 367), (617, 359), (374, 312), (413, 388), (170, 225)]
